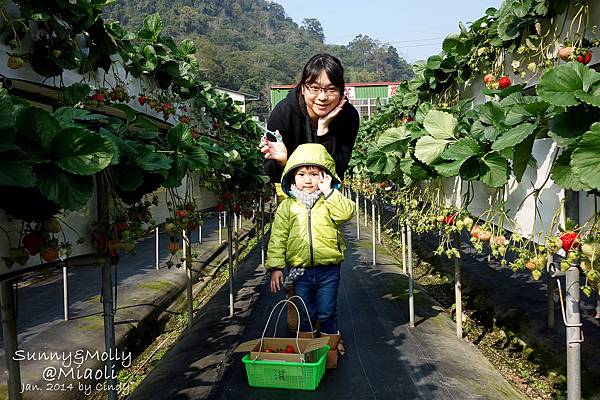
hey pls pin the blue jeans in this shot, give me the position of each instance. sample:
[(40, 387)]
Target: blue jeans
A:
[(318, 287)]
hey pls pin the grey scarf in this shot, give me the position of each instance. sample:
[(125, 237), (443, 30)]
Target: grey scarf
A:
[(308, 200)]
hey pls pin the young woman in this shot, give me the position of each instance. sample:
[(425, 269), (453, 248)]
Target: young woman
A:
[(315, 111)]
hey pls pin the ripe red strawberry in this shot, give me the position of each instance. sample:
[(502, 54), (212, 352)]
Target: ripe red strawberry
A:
[(181, 213), (449, 220), (101, 243), (568, 239), (113, 247), (289, 349), (98, 97), (49, 253), (142, 100), (585, 58), (504, 82), (32, 242), (220, 207)]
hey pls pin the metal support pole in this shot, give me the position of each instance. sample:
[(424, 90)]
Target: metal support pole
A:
[(379, 221), (11, 345), (357, 218), (109, 330), (188, 272), (262, 232), (365, 207), (403, 237), (230, 253), (156, 250), (458, 288), (373, 238), (573, 318), (220, 227), (200, 232), (66, 292), (411, 297), (550, 294), (574, 338), (235, 222), (107, 296)]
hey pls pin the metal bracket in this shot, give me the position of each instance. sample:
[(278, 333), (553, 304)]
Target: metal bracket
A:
[(562, 309)]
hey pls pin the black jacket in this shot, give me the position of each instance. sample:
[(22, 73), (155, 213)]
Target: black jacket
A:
[(291, 119)]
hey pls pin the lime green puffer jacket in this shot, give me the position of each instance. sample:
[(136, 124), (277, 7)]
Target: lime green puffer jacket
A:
[(306, 238)]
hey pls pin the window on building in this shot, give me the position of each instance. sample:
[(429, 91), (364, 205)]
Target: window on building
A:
[(367, 107)]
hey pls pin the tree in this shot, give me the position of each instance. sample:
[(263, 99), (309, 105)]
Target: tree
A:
[(313, 26)]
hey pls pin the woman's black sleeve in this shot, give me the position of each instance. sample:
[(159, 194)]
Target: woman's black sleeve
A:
[(345, 137)]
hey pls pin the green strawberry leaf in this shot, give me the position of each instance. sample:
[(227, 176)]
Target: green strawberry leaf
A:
[(149, 160), (522, 156), (585, 160), (462, 149), (393, 139), (592, 98), (16, 173), (514, 136), (380, 163), (568, 127), (562, 173), (440, 125), (429, 149), (494, 170), (559, 85), (82, 152), (449, 169), (70, 191)]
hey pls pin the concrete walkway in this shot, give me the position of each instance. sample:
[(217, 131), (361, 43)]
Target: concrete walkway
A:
[(385, 359)]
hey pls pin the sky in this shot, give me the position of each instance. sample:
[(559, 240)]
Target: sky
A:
[(415, 27)]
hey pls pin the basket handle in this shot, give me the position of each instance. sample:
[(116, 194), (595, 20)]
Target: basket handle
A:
[(312, 330), (282, 302)]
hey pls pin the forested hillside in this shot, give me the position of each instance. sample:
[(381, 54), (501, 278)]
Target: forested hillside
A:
[(248, 45)]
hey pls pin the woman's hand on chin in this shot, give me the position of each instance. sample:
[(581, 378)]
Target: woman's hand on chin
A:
[(323, 125)]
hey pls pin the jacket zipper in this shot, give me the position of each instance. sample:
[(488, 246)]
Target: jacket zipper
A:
[(310, 242)]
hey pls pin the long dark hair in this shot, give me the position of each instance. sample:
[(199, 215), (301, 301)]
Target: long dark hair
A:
[(323, 62)]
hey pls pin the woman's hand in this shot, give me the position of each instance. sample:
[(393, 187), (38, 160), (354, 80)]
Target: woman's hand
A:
[(276, 281), (324, 183), (323, 124), (275, 151)]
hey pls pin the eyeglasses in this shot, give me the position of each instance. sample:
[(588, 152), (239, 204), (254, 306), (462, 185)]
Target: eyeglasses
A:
[(329, 91)]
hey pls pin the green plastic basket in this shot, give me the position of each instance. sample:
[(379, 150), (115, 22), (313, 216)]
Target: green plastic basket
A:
[(287, 375)]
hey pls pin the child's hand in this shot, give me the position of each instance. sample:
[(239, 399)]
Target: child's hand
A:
[(324, 183), (276, 281)]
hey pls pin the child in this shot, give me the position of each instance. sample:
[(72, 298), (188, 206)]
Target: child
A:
[(306, 236)]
